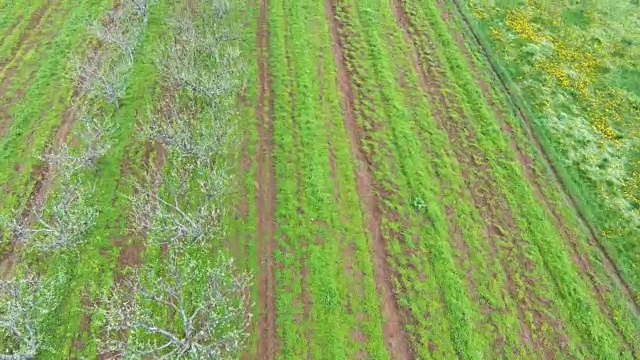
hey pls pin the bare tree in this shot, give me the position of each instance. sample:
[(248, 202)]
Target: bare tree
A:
[(201, 58), (62, 226), (100, 76), (120, 29), (177, 216), (95, 134), (189, 131), (94, 137), (20, 310), (187, 71), (141, 8), (210, 308)]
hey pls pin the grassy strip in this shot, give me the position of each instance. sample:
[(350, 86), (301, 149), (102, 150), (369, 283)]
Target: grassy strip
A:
[(41, 107), (22, 12), (33, 36), (361, 299), (317, 248), (527, 282), (468, 230), (311, 230), (594, 198), (531, 218), (369, 112), (242, 222), (428, 237), (614, 302), (288, 272)]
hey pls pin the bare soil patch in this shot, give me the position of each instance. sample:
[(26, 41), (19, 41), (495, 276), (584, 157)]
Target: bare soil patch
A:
[(265, 196)]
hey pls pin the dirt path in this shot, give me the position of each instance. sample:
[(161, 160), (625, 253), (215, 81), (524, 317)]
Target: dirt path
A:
[(265, 196), (546, 160), (394, 334)]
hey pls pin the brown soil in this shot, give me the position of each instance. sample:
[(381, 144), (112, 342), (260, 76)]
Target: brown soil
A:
[(129, 254), (393, 330), (265, 196), (5, 117), (85, 323), (240, 246), (306, 300), (245, 164)]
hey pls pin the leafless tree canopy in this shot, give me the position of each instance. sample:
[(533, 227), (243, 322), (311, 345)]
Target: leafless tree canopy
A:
[(210, 321), (201, 56), (118, 30), (63, 225), (20, 309), (94, 136), (189, 132), (177, 216), (102, 77), (141, 8)]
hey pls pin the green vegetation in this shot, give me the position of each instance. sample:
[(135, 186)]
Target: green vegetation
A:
[(321, 239), (574, 66), (368, 163), (80, 276)]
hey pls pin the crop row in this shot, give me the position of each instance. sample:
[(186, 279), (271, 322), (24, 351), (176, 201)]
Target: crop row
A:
[(415, 223), (326, 293), (496, 187), (546, 247)]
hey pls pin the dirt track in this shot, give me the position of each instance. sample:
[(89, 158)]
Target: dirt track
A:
[(265, 195)]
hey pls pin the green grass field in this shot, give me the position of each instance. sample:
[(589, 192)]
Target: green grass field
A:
[(576, 68), (399, 179)]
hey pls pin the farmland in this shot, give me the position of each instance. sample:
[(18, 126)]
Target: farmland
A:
[(341, 179)]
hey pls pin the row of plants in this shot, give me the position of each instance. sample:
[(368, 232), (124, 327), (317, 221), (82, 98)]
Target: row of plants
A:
[(61, 211), (174, 197), (325, 275), (186, 302), (415, 224), (592, 264), (40, 82)]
